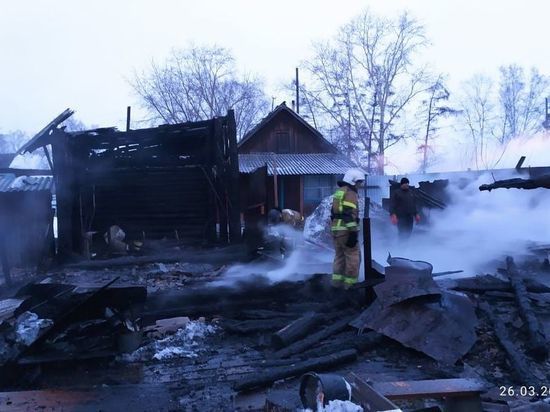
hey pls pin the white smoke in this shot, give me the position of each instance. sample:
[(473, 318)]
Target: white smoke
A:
[(34, 160), (477, 230), (301, 261)]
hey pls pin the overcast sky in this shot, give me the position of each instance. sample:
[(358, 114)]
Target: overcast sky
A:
[(80, 54)]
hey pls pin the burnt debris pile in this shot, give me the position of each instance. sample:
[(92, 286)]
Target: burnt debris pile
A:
[(173, 328)]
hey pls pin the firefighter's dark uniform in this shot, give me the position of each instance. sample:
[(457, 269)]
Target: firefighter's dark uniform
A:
[(403, 205), (345, 224)]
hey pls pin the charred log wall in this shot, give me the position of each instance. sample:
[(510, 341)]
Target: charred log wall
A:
[(169, 181)]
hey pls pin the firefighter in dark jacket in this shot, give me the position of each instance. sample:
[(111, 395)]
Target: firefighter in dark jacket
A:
[(345, 229), (403, 209)]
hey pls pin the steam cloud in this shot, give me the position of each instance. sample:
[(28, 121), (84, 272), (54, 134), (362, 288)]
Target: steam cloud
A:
[(476, 230)]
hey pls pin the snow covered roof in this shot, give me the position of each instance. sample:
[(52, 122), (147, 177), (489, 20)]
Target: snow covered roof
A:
[(11, 183)]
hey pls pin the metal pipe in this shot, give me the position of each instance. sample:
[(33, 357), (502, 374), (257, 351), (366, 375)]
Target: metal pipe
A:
[(128, 114)]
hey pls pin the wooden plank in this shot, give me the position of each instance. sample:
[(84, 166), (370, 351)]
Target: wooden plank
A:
[(436, 388), (113, 398)]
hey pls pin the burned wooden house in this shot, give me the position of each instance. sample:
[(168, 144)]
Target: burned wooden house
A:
[(286, 162), (173, 181)]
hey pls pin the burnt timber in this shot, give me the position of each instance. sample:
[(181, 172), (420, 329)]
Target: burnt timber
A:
[(176, 181), (517, 183)]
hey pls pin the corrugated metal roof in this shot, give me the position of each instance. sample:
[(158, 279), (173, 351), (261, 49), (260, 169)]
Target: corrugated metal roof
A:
[(11, 183), (296, 163)]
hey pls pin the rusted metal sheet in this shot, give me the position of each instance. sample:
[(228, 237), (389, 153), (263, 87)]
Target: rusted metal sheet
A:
[(445, 331)]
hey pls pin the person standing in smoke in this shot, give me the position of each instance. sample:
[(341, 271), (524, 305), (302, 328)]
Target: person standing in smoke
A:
[(345, 229), (403, 209)]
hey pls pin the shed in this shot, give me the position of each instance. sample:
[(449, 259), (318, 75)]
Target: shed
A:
[(301, 167)]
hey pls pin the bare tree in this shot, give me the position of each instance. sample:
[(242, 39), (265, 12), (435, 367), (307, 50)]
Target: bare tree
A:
[(11, 142), (479, 115), (363, 80), (434, 107), (72, 124), (200, 83), (520, 101)]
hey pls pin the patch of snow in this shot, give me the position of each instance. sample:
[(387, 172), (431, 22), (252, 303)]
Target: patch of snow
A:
[(342, 406), (28, 326), (336, 406), (185, 343), (174, 352)]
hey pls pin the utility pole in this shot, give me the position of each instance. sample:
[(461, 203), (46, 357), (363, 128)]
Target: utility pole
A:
[(297, 92), (349, 125), (128, 115)]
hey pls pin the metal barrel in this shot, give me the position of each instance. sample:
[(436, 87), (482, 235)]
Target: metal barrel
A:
[(319, 389)]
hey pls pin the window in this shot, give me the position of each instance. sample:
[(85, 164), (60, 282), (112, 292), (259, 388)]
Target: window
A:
[(283, 141), (317, 187)]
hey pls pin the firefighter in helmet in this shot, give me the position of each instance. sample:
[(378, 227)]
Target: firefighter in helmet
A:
[(345, 229)]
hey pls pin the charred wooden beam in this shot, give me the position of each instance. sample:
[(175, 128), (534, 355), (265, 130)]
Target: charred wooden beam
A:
[(360, 343), (537, 343), (65, 196), (4, 257), (311, 340), (246, 327), (535, 183), (317, 364), (520, 365), (482, 284), (296, 330), (233, 180)]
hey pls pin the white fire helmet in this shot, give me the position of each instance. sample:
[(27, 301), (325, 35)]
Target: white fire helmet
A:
[(352, 176)]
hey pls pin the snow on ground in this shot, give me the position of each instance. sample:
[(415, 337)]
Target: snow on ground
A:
[(185, 343)]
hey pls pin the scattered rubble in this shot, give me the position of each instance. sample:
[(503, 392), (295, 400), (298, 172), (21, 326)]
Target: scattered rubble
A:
[(213, 345)]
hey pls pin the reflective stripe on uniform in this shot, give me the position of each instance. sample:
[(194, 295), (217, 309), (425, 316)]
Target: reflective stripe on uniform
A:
[(346, 279), (339, 224)]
